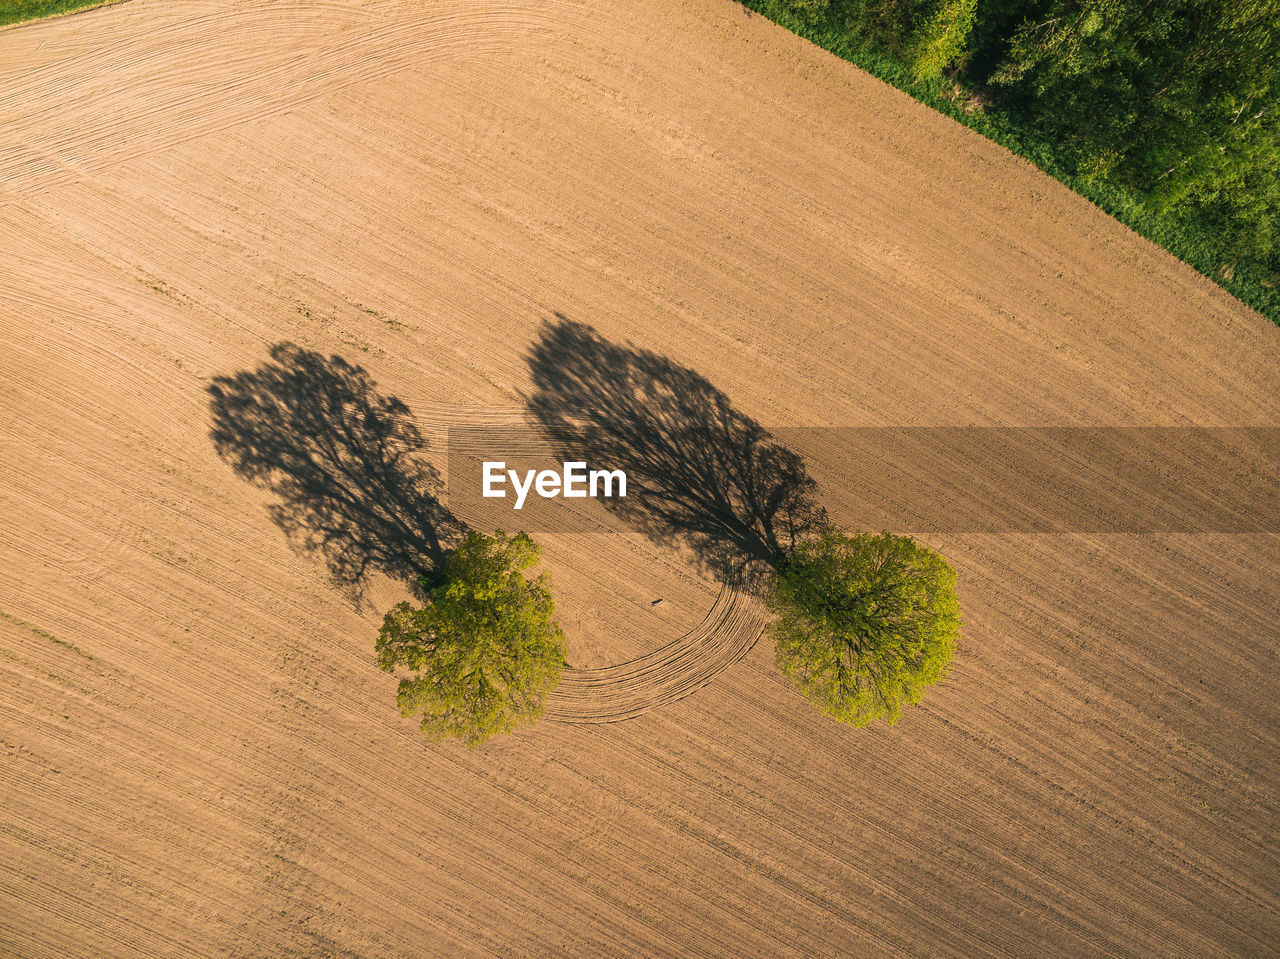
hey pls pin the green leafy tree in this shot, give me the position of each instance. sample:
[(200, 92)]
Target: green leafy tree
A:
[(484, 651), (927, 34), (941, 38), (864, 623), (1174, 99)]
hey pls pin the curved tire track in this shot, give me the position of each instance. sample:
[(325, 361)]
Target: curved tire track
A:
[(610, 694), (625, 690)]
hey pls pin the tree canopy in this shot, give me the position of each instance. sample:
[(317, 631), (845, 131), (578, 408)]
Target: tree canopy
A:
[(864, 623), (484, 651)]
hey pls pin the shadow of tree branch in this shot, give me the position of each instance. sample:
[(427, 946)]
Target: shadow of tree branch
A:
[(699, 472), (344, 461)]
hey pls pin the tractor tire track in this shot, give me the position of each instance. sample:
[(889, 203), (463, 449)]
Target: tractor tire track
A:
[(613, 693)]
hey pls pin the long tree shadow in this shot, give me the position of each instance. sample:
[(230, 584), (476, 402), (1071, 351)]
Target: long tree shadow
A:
[(344, 461), (698, 471)]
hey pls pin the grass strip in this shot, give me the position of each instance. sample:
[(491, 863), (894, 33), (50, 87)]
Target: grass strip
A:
[(16, 11)]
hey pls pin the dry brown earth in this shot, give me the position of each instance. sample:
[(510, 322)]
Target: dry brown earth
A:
[(199, 755)]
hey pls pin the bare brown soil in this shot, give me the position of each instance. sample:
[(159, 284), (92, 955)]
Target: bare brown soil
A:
[(200, 757)]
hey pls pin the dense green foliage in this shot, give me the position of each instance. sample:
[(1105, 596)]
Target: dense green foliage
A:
[(1175, 100), (926, 34), (485, 650), (864, 623), (1164, 112), (15, 11)]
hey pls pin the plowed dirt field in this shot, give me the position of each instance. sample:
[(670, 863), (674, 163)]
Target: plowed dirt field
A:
[(198, 755)]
